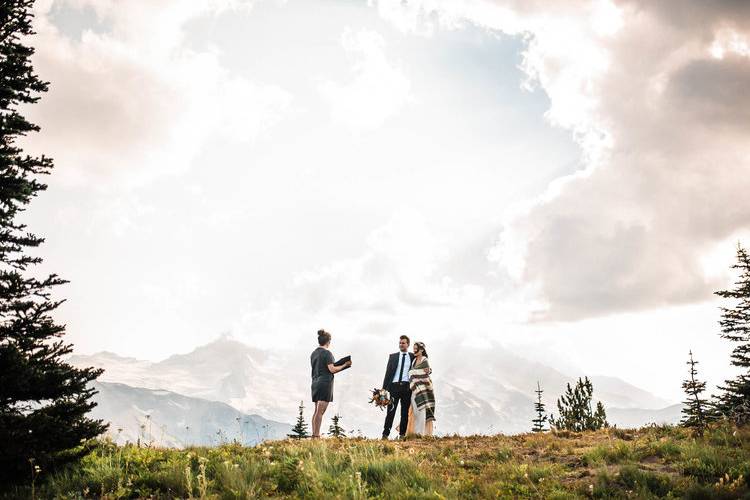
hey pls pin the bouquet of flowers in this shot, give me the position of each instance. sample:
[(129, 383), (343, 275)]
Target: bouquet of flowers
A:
[(380, 398)]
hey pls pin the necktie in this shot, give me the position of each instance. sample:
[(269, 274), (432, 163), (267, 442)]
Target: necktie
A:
[(403, 364)]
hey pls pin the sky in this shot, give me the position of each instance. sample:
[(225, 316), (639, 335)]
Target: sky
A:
[(564, 178)]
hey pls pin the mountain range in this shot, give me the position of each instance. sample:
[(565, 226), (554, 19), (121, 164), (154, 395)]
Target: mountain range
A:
[(229, 390)]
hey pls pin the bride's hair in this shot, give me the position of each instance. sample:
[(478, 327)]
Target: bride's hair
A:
[(421, 347), (323, 337)]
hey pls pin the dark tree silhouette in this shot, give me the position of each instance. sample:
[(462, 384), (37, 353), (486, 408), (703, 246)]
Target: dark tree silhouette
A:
[(575, 410), (541, 417), (299, 431), (734, 398), (695, 409), (335, 429), (43, 400)]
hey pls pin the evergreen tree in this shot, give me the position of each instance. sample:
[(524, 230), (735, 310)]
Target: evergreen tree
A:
[(575, 410), (694, 409), (43, 400), (600, 417), (734, 400), (299, 431), (540, 410), (335, 430)]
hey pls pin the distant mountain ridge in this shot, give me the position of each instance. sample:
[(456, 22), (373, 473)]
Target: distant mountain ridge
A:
[(164, 418), (477, 397)]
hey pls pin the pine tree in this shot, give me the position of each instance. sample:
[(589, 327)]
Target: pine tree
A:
[(734, 400), (540, 410), (694, 409), (335, 430), (299, 431), (600, 417), (576, 413), (43, 400)]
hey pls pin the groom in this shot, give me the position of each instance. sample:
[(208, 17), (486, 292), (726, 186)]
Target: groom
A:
[(396, 382)]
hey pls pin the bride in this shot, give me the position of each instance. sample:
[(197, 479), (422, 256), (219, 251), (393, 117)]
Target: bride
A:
[(422, 393)]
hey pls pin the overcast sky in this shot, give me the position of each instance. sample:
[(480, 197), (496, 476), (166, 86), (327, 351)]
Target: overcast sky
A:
[(567, 178)]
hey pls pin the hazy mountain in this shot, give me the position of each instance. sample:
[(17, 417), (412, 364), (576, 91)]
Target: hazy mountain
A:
[(478, 390), (169, 419), (633, 417)]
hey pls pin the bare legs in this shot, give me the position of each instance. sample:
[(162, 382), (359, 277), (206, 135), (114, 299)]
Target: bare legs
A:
[(428, 428), (320, 409)]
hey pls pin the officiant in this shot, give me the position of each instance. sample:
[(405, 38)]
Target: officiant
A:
[(323, 368)]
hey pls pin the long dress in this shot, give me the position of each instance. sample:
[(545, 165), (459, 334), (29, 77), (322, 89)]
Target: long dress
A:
[(422, 411)]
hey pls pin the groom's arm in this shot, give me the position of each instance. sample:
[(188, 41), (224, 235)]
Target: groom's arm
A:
[(387, 370)]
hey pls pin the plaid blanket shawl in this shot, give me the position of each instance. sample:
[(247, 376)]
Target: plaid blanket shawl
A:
[(421, 386)]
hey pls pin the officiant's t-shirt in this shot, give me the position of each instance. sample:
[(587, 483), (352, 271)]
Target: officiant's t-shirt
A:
[(319, 360)]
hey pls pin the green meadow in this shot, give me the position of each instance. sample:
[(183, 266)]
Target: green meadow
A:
[(652, 462)]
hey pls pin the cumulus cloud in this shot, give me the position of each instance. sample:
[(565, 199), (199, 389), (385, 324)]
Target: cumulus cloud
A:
[(135, 102), (377, 91), (654, 95)]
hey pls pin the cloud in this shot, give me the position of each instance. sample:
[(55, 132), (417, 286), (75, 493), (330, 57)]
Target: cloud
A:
[(660, 118), (134, 102), (399, 282), (713, 93), (377, 90)]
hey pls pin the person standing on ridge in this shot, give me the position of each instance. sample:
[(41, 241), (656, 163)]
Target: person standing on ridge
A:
[(396, 382)]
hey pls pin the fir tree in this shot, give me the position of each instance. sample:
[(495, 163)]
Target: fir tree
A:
[(600, 417), (575, 410), (43, 400), (694, 409), (734, 400), (540, 410), (299, 431), (335, 430)]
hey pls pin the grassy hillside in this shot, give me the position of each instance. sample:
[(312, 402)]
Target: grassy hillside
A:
[(651, 462)]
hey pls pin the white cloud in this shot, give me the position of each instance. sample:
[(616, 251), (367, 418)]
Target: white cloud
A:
[(133, 103), (398, 283), (660, 120), (377, 90)]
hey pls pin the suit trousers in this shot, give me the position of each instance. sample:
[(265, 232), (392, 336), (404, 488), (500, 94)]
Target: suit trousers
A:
[(400, 395)]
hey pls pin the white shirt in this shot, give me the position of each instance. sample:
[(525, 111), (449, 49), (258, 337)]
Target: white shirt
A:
[(403, 357)]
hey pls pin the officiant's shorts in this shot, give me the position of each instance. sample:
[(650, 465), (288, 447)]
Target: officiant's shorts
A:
[(322, 390)]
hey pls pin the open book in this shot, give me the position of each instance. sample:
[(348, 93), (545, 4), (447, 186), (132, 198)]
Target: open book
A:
[(342, 361)]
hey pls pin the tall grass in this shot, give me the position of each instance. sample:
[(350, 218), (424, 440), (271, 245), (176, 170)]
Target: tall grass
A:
[(645, 463)]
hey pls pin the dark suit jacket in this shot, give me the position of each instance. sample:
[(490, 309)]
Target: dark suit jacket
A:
[(390, 369)]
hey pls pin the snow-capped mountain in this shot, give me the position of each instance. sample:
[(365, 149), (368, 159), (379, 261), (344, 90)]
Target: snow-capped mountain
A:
[(478, 390), (164, 418)]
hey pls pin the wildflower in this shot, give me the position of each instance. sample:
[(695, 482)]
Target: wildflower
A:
[(462, 462), (591, 487)]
